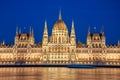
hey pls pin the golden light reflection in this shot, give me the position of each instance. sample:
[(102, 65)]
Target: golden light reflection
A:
[(59, 74)]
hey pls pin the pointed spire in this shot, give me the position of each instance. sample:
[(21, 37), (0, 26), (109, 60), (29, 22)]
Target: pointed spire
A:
[(102, 30), (72, 29), (3, 42), (72, 24), (30, 31), (17, 30), (60, 16), (45, 24), (20, 30), (45, 28), (45, 34), (118, 43), (72, 35), (88, 30)]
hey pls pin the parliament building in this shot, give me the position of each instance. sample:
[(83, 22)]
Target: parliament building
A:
[(59, 48)]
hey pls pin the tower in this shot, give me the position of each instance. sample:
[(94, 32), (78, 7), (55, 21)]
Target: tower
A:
[(45, 35), (72, 41), (16, 36), (45, 38), (88, 37), (96, 40), (24, 39), (72, 35), (31, 33), (103, 37)]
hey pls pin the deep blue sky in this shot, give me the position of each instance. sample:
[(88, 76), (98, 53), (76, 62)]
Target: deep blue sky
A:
[(26, 13)]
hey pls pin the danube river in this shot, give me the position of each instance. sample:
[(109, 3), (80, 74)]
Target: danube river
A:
[(39, 73)]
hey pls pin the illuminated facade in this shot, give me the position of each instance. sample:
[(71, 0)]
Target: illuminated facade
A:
[(60, 48)]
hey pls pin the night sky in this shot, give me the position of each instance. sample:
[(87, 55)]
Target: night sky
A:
[(85, 13)]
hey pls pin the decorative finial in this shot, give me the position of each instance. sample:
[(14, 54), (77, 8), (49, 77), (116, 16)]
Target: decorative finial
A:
[(60, 16)]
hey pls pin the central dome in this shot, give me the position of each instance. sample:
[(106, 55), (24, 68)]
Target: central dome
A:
[(59, 32), (60, 25)]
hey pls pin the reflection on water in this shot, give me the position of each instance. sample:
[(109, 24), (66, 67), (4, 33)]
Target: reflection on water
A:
[(38, 73)]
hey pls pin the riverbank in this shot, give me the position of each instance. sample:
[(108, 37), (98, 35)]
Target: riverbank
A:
[(55, 65)]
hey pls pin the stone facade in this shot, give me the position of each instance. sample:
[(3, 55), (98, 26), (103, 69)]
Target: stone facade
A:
[(60, 48)]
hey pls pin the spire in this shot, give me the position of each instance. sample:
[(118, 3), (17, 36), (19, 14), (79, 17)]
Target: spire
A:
[(45, 35), (3, 42), (72, 35), (102, 30), (32, 32), (60, 16), (118, 43), (45, 28), (20, 30), (45, 24), (72, 24), (17, 30), (72, 29), (89, 31)]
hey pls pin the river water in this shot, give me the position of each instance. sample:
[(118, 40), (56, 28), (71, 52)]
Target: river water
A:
[(61, 73)]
